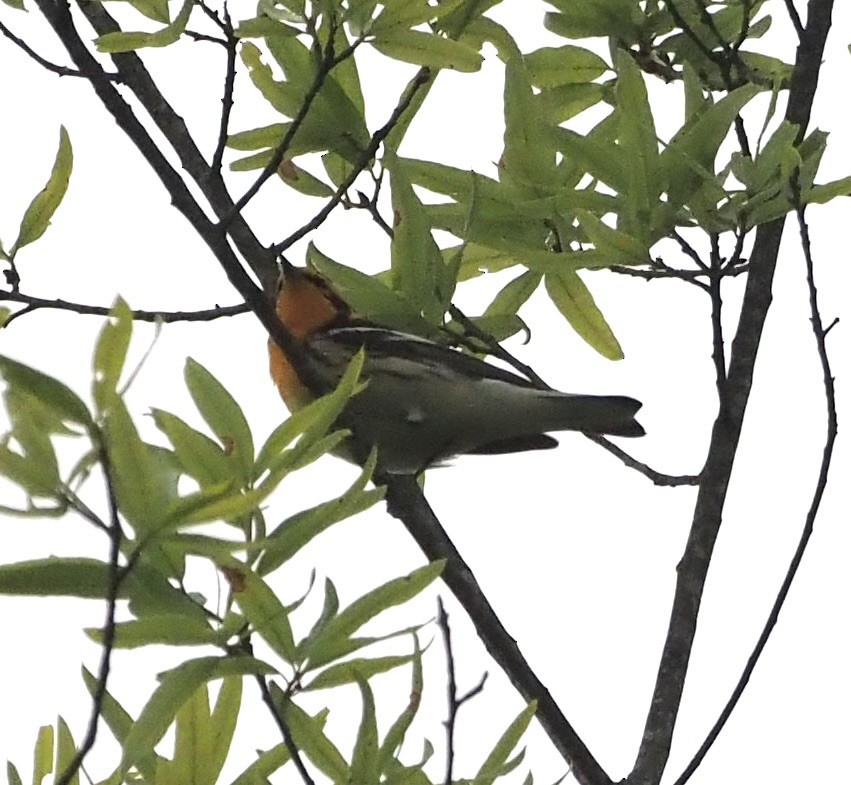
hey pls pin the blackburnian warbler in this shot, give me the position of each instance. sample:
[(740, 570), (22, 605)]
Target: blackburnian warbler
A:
[(423, 402)]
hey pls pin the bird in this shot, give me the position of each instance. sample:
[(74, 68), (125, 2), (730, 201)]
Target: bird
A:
[(423, 403)]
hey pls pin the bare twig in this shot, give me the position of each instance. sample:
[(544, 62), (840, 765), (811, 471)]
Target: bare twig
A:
[(422, 77), (795, 18), (657, 478), (62, 70), (115, 576), (167, 317), (718, 353), (820, 333), (289, 742), (453, 700), (227, 96), (323, 68)]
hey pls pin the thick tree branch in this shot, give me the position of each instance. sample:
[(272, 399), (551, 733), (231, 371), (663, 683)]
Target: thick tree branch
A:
[(406, 502), (692, 569)]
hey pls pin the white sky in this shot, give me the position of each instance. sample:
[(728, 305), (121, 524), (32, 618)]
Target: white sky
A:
[(576, 553)]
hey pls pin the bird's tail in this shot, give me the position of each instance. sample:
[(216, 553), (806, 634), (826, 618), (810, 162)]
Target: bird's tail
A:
[(612, 415)]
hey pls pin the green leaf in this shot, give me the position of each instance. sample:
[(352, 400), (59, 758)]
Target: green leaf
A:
[(309, 737), (559, 104), (415, 258), (637, 143), (618, 246), (222, 413), (31, 429), (176, 687), (528, 157), (496, 761), (826, 192), (572, 297), (303, 181), (166, 629), (555, 66), (65, 751), (368, 296), (356, 669), (263, 609), (121, 41), (37, 216), (111, 353), (55, 577), (514, 294), (27, 473), (153, 9), (43, 754), (396, 734), (411, 13), (419, 48), (267, 763), (141, 475), (365, 752), (49, 391), (222, 726), (199, 456), (12, 775), (595, 19), (298, 530), (689, 158), (326, 645), (18, 5)]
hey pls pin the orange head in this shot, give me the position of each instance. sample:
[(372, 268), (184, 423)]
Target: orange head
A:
[(305, 305)]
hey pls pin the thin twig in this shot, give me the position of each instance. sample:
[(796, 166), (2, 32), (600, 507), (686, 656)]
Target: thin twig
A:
[(795, 18), (115, 576), (422, 77), (657, 478), (62, 70), (453, 700), (227, 95), (167, 317), (289, 742), (718, 352), (323, 68), (820, 333)]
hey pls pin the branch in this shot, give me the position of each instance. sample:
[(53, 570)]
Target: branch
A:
[(289, 742), (115, 578), (62, 70), (421, 78), (657, 478), (820, 334), (694, 565), (323, 68), (59, 17), (227, 96), (173, 128), (406, 502), (454, 701), (795, 18), (167, 317)]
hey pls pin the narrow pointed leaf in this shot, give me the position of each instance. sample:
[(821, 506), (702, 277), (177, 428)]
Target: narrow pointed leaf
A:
[(37, 216), (573, 298)]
